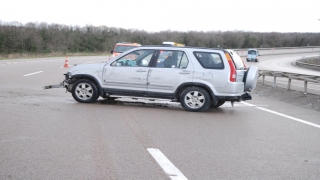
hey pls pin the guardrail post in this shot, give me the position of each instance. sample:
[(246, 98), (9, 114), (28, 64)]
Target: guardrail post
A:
[(274, 81), (305, 87), (289, 84), (263, 77)]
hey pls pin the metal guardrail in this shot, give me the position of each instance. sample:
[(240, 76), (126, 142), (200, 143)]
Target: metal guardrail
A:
[(281, 50), (289, 76), (275, 48)]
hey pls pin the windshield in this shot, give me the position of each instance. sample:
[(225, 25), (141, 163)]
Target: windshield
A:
[(253, 52), (120, 48)]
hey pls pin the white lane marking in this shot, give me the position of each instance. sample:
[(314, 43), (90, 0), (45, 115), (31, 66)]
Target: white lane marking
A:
[(283, 115), (33, 73), (89, 62), (169, 168)]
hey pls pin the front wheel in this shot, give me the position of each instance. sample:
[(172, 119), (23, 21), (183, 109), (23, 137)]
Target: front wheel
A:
[(195, 99), (84, 91)]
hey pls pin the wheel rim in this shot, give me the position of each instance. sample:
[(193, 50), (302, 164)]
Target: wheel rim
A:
[(84, 91), (194, 99)]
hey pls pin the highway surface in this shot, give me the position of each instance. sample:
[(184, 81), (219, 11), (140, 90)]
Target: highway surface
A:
[(46, 134)]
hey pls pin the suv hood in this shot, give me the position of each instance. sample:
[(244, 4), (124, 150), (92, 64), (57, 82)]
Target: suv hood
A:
[(86, 68)]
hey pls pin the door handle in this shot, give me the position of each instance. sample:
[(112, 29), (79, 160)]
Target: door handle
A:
[(141, 70), (184, 72)]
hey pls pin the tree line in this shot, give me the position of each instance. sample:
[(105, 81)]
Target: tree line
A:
[(36, 37)]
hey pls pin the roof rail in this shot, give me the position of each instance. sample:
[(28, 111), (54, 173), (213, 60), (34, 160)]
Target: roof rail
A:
[(181, 47)]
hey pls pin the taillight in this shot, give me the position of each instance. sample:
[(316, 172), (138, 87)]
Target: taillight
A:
[(233, 72)]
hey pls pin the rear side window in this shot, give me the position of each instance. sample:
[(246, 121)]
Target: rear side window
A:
[(172, 59), (209, 60)]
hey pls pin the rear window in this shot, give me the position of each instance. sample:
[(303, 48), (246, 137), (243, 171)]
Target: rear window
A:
[(209, 60), (237, 61)]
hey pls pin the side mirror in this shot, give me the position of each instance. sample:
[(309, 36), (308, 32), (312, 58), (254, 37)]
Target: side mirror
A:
[(111, 51)]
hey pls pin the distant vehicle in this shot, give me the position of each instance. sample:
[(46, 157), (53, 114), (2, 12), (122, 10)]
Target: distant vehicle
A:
[(166, 43), (253, 55), (122, 47)]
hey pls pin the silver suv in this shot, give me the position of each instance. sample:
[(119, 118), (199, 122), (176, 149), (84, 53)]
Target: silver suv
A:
[(198, 78)]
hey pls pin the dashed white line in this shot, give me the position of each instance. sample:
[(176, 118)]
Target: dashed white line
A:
[(283, 115), (170, 169), (33, 73)]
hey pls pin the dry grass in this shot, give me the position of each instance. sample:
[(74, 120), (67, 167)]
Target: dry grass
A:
[(54, 54), (312, 60)]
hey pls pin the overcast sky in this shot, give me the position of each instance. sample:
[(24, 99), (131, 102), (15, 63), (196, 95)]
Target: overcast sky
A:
[(180, 15)]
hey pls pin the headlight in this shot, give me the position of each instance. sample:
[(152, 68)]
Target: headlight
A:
[(68, 75)]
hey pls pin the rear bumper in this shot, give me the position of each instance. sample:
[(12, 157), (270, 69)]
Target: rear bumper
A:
[(251, 59), (244, 97)]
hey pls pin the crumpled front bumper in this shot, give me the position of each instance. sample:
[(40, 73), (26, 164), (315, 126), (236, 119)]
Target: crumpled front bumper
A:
[(64, 84)]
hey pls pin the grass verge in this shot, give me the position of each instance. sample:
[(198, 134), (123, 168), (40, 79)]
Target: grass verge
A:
[(44, 55)]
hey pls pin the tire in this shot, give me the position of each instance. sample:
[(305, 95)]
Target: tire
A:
[(220, 103), (195, 99), (251, 78), (84, 91)]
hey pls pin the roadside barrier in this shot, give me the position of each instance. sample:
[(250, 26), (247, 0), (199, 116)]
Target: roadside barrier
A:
[(281, 50), (289, 76), (66, 63)]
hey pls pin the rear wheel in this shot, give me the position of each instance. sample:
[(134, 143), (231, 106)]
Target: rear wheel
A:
[(195, 99), (84, 91), (220, 103)]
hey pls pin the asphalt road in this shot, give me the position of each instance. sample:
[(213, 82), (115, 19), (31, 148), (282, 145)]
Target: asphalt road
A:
[(45, 134)]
